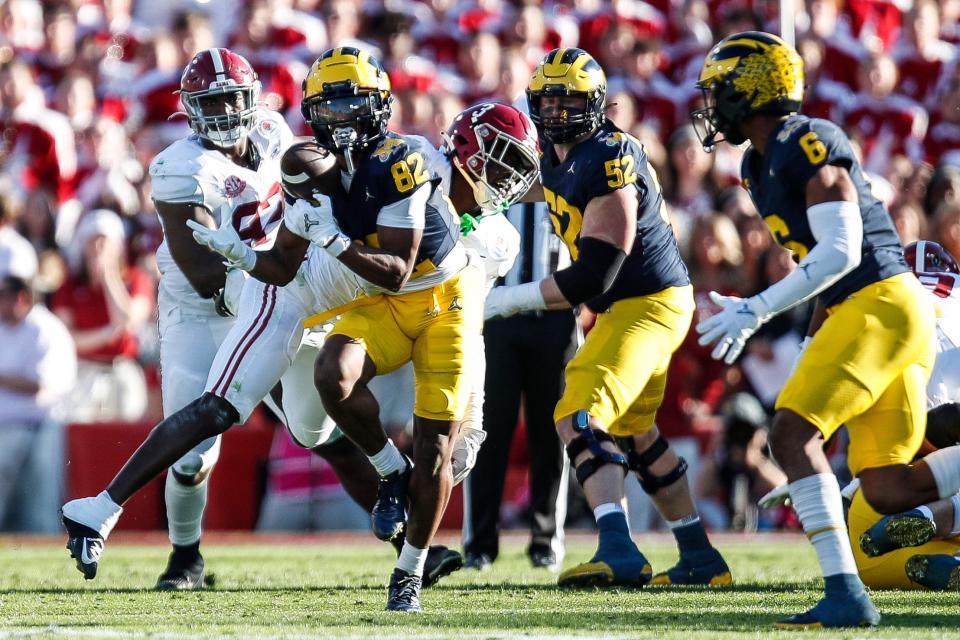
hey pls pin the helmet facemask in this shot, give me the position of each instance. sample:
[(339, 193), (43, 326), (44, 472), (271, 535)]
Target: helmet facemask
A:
[(501, 172), (570, 124), (347, 120), (719, 120), (232, 122)]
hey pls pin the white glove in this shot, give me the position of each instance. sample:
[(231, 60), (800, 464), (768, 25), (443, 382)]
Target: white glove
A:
[(506, 301), (774, 497), (738, 319), (227, 299), (465, 450), (318, 225), (225, 240)]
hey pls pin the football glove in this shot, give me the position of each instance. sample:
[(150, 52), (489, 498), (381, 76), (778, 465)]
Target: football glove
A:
[(506, 301), (465, 450), (227, 300), (225, 240), (317, 224), (775, 497), (732, 326)]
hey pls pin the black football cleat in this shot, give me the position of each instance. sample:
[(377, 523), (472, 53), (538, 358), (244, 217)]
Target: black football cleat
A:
[(478, 561), (389, 515), (85, 546), (543, 557), (441, 562), (184, 572), (404, 592)]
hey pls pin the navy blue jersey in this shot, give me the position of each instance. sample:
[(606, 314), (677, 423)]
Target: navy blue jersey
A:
[(777, 182), (393, 170), (611, 160)]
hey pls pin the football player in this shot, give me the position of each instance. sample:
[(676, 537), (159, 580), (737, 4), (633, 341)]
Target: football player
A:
[(227, 171), (394, 226), (881, 544), (867, 364), (884, 546), (259, 349), (606, 205)]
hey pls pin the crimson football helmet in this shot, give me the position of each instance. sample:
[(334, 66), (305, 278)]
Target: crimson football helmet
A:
[(495, 148), (927, 256), (220, 72)]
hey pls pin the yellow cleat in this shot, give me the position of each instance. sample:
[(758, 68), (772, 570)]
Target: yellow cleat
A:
[(707, 570), (601, 574)]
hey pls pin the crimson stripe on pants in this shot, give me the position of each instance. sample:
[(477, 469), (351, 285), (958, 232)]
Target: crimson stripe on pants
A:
[(263, 325), (250, 329)]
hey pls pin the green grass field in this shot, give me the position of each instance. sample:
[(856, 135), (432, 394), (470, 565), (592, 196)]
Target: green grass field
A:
[(335, 587)]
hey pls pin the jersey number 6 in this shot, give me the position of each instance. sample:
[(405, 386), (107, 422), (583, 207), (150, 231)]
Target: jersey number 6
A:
[(812, 146)]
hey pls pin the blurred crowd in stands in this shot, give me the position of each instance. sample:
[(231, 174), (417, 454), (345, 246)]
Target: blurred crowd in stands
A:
[(87, 90)]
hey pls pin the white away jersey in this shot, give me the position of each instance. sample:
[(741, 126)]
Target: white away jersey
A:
[(944, 385), (188, 172)]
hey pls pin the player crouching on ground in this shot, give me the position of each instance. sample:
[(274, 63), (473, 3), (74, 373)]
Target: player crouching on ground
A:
[(920, 547)]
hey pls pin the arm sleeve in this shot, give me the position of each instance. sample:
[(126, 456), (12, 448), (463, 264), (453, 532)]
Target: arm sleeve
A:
[(838, 229), (409, 213)]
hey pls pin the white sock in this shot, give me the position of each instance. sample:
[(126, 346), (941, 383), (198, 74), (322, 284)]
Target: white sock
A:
[(955, 531), (185, 507), (606, 509), (412, 559), (388, 460), (925, 510), (684, 521), (100, 513), (944, 464), (817, 502)]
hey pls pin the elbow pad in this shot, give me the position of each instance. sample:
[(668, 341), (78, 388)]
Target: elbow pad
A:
[(593, 272)]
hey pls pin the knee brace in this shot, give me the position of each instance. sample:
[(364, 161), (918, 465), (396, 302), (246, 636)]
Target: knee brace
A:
[(641, 463), (590, 439)]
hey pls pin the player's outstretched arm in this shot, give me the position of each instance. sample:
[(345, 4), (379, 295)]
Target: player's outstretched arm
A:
[(280, 264), (203, 269), (277, 266), (833, 212), (389, 266), (607, 235)]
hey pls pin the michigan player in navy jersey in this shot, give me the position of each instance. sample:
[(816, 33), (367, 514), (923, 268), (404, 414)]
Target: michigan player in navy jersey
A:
[(606, 205), (392, 224), (873, 340)]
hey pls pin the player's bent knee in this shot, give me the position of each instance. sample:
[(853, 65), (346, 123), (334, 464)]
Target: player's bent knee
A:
[(641, 463), (590, 440), (218, 414)]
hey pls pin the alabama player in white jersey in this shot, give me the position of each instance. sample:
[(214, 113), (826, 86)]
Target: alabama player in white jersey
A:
[(268, 344), (228, 171)]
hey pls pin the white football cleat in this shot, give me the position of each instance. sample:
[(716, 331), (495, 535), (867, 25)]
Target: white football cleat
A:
[(88, 522)]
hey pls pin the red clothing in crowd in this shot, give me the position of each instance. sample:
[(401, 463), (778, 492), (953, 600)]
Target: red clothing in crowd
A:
[(88, 307), (895, 124), (942, 138)]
